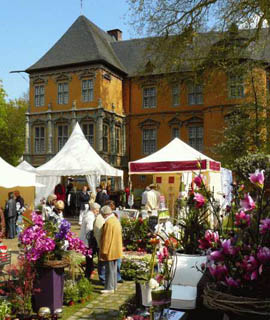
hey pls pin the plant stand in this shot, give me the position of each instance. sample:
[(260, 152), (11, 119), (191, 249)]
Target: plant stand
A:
[(49, 287)]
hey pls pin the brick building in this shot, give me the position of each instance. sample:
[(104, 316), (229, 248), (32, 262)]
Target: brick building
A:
[(90, 76)]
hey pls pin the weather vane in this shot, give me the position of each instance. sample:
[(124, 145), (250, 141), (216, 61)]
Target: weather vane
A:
[(81, 6)]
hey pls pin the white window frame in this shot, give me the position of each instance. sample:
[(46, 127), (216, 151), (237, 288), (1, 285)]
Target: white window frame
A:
[(195, 137), (39, 144), (87, 90), (195, 94), (149, 140), (63, 93), (89, 133), (236, 86), (62, 137), (39, 95), (149, 97)]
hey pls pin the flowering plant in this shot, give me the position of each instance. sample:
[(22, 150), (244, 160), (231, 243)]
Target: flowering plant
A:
[(44, 240), (194, 213), (239, 259)]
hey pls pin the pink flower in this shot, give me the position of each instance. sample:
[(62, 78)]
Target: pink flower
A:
[(257, 178), (229, 248), (210, 237), (199, 199), (263, 255), (216, 256), (242, 219), (265, 226), (218, 271), (231, 282), (198, 180), (247, 203)]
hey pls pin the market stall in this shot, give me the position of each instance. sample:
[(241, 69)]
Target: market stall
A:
[(16, 179), (173, 168), (76, 158)]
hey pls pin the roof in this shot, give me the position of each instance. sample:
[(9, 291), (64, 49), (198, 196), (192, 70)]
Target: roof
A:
[(176, 156), (77, 157), (26, 166), (83, 42)]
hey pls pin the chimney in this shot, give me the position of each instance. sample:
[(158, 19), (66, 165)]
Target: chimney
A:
[(116, 33)]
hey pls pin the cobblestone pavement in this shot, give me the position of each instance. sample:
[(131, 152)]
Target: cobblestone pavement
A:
[(106, 306)]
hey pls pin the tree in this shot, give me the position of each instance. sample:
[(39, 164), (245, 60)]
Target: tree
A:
[(12, 128)]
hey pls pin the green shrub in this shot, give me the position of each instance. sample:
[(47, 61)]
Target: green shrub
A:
[(135, 267), (5, 309), (84, 287), (71, 291)]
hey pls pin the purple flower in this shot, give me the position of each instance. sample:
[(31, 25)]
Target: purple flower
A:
[(265, 226), (242, 219), (263, 255), (257, 178), (63, 230), (37, 219), (231, 282), (247, 203), (200, 201)]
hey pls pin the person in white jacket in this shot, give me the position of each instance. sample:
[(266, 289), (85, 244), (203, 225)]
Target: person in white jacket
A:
[(87, 235)]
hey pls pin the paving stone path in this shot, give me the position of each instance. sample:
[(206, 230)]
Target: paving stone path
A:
[(105, 306)]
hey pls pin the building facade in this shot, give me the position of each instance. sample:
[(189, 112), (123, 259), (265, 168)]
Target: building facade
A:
[(90, 76)]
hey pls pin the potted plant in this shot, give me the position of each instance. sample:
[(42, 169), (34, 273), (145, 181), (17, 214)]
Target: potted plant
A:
[(71, 292), (47, 245), (239, 259)]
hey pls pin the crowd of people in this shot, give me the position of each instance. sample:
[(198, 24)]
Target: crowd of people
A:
[(100, 230)]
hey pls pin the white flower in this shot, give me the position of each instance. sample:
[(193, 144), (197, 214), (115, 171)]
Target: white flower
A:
[(153, 284)]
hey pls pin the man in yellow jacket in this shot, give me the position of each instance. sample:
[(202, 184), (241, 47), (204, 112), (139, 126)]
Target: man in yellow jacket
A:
[(110, 248)]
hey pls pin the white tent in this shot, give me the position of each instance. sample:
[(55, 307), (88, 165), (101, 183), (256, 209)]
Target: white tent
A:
[(13, 177), (76, 158), (175, 163), (26, 167), (176, 156)]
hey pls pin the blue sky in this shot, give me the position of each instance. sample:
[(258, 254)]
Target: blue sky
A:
[(29, 28)]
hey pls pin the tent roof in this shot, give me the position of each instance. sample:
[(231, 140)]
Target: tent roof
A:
[(174, 157), (26, 166), (14, 177), (77, 157)]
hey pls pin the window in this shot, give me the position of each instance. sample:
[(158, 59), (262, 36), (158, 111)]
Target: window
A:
[(39, 96), (149, 140), (39, 139), (175, 133), (87, 90), (63, 93), (117, 139), (195, 94), (196, 137), (236, 86), (149, 97), (105, 138), (175, 96), (88, 130), (62, 135)]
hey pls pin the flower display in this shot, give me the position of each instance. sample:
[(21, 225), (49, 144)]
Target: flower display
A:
[(238, 258), (44, 240), (200, 200)]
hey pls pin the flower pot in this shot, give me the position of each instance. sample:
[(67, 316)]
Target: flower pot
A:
[(161, 298), (146, 294), (49, 286)]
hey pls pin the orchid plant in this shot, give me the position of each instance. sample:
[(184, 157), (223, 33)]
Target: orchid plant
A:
[(45, 240), (195, 215), (239, 260)]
